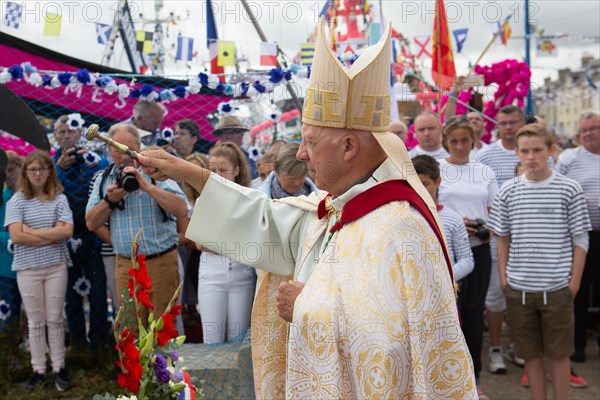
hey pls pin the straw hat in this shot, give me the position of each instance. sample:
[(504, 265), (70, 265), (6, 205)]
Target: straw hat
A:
[(228, 122)]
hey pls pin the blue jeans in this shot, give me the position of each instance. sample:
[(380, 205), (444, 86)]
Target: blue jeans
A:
[(87, 263), (9, 292)]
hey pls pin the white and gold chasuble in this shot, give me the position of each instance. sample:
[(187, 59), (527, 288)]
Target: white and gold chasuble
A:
[(377, 317)]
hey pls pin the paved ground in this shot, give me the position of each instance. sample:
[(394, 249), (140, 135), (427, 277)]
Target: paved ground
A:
[(505, 387)]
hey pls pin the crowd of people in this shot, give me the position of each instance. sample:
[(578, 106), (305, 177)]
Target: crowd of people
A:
[(495, 201), (521, 223)]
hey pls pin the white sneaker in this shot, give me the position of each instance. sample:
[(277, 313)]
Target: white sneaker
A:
[(496, 361), (519, 361), (512, 357)]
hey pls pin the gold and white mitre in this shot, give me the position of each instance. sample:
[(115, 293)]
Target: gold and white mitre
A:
[(354, 98), (359, 98)]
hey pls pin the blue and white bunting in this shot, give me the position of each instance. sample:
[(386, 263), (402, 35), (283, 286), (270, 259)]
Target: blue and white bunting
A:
[(185, 48), (103, 33), (12, 18), (460, 35)]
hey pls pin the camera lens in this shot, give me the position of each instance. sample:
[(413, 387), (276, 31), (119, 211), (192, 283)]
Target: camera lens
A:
[(483, 234), (129, 183)]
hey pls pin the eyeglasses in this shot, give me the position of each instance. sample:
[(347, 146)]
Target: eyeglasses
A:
[(511, 123), (36, 170)]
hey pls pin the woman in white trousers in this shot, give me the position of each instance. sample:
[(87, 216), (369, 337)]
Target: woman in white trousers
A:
[(225, 287)]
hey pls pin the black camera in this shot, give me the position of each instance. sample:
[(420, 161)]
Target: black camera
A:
[(482, 232), (126, 180), (162, 142), (78, 156)]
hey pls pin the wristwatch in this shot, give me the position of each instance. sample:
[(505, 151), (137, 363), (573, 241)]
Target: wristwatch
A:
[(111, 204)]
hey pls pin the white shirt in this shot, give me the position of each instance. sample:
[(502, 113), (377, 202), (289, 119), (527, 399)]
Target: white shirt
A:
[(437, 154), (468, 189), (584, 167)]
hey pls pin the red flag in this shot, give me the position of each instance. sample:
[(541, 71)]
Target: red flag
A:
[(268, 54), (506, 32), (443, 71), (214, 60)]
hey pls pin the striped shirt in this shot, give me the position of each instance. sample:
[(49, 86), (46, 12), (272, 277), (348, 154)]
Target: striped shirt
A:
[(502, 160), (457, 240), (541, 218), (38, 215), (474, 154), (106, 249), (584, 167), (140, 211), (438, 154)]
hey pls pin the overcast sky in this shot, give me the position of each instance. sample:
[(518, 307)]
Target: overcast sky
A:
[(290, 22)]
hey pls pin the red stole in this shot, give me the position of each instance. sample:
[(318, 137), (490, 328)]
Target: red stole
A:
[(379, 195)]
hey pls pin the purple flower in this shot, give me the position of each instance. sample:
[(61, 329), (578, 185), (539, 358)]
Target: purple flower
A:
[(162, 375), (177, 376), (160, 361), (160, 369), (174, 356)]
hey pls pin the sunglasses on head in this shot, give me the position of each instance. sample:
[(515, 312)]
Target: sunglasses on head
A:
[(457, 119)]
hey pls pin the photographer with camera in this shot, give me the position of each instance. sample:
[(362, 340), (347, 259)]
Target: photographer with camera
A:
[(133, 201), (468, 188), (75, 167)]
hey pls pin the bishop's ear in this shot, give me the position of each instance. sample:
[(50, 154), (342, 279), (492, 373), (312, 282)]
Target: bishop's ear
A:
[(351, 146)]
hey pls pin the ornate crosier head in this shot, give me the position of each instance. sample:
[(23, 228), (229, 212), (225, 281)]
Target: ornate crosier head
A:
[(147, 349)]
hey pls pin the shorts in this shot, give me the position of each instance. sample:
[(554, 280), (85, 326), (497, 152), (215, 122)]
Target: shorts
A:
[(543, 326)]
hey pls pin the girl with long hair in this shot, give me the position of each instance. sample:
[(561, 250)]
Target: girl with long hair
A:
[(225, 287), (40, 221)]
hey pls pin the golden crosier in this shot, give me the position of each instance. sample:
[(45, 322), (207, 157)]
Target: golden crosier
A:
[(93, 132)]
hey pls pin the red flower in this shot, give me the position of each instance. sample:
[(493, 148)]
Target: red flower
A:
[(168, 330), (131, 367), (142, 280)]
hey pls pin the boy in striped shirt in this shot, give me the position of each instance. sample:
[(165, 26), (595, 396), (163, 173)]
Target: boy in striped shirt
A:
[(457, 237), (542, 222)]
